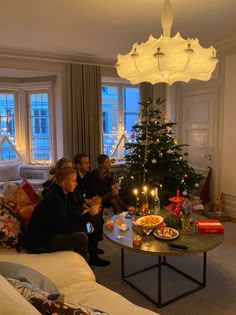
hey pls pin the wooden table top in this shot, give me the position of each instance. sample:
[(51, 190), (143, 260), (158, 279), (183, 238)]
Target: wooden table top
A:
[(197, 243)]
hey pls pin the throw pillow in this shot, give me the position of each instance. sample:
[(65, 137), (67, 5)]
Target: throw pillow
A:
[(29, 190), (9, 188), (51, 304), (25, 214), (10, 171), (24, 273), (11, 234), (10, 202), (50, 307), (22, 199)]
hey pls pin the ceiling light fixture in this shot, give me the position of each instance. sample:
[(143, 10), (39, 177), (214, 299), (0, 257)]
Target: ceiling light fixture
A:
[(167, 59)]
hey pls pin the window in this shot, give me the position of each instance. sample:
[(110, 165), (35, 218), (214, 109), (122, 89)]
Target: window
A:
[(39, 127), (25, 121), (120, 110), (7, 125)]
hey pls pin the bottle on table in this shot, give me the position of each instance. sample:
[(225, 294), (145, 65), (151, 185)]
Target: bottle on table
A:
[(156, 203)]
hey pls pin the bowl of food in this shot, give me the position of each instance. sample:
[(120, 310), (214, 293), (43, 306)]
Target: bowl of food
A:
[(149, 221)]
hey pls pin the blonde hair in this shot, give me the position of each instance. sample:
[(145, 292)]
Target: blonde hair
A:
[(63, 173), (61, 163)]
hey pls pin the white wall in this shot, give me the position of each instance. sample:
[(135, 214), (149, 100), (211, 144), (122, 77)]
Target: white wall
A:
[(228, 177), (228, 169)]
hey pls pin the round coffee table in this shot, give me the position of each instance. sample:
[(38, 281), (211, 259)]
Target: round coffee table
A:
[(196, 243)]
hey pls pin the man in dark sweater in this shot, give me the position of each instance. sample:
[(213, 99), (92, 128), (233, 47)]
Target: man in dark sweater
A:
[(82, 165), (57, 222), (85, 190)]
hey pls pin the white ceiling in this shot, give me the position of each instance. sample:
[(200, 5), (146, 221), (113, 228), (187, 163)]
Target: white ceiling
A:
[(101, 29)]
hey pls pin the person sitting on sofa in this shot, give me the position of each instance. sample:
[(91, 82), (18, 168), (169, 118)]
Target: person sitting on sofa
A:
[(58, 221), (63, 162), (82, 165), (102, 184)]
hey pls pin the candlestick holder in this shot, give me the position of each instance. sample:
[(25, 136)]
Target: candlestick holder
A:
[(177, 200)]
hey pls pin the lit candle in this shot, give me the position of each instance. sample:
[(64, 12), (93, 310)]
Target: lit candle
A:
[(145, 189), (136, 192), (152, 193), (161, 186)]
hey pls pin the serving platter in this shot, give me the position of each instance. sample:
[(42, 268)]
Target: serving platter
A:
[(149, 221), (166, 233)]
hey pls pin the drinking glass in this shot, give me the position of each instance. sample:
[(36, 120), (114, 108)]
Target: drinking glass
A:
[(147, 230)]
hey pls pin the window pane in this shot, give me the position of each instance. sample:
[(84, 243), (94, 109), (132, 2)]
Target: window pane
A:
[(129, 111), (130, 108), (131, 99), (7, 125), (110, 116), (39, 123)]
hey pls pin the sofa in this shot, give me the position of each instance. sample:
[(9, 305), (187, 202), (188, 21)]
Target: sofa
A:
[(72, 276)]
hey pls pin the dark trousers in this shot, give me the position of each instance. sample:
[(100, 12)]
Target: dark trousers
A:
[(77, 241)]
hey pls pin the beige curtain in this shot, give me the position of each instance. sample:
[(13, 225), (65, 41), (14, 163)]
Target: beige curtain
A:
[(84, 111)]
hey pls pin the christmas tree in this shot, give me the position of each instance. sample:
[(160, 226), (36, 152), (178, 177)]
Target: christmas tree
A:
[(154, 157)]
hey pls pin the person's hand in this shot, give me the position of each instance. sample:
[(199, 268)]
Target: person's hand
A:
[(116, 186), (96, 200), (95, 209), (115, 192), (85, 211), (85, 206), (88, 202)]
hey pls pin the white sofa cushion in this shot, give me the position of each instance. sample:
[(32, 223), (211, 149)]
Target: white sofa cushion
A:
[(98, 296), (11, 302), (62, 268)]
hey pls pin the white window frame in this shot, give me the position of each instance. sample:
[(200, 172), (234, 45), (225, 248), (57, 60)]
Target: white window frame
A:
[(21, 92)]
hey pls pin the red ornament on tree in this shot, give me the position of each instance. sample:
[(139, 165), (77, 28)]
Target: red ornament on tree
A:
[(186, 153)]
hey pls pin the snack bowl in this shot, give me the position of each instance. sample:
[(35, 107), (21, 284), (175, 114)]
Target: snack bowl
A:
[(149, 221)]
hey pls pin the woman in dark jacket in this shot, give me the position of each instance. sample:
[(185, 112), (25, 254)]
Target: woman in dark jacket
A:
[(102, 183)]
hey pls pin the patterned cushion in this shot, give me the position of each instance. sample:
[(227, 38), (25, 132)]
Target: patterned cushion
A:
[(11, 234), (51, 304), (48, 306), (9, 201)]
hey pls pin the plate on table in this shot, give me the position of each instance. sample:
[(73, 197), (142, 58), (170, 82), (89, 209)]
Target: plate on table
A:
[(166, 233)]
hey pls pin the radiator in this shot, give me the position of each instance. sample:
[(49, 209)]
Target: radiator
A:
[(36, 172)]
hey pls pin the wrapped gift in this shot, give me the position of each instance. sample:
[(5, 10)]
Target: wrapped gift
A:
[(209, 227)]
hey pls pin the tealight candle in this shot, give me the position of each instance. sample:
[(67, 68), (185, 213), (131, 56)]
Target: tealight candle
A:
[(137, 240)]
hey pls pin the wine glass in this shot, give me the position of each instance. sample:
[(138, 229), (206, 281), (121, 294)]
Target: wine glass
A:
[(147, 230)]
